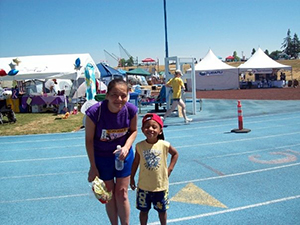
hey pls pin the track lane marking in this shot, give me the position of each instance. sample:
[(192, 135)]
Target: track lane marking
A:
[(230, 210)]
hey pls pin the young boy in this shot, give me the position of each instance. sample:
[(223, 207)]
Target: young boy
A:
[(153, 183)]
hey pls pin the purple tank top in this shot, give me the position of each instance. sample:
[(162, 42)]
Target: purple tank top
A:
[(111, 128)]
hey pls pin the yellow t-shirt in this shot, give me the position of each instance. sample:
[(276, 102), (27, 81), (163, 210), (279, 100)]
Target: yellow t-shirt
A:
[(176, 84), (153, 175)]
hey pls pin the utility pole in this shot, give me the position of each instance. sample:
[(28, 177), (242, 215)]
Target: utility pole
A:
[(166, 33)]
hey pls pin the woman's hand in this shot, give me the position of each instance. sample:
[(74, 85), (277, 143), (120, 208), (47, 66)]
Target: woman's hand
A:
[(123, 152), (93, 173)]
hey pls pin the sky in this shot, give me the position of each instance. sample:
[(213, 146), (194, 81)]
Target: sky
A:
[(48, 27)]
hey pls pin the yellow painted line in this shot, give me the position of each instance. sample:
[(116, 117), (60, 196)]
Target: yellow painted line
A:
[(195, 195)]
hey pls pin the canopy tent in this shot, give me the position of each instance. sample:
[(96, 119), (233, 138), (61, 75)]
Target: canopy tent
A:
[(80, 92), (122, 71), (148, 60), (229, 58), (138, 71), (260, 62), (47, 67), (213, 74), (107, 71)]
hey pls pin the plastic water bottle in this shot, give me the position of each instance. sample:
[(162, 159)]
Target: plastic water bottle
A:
[(119, 164)]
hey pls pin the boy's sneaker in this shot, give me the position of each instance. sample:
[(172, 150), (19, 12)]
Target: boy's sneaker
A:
[(188, 120)]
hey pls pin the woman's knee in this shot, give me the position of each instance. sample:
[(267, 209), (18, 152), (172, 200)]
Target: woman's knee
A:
[(121, 194)]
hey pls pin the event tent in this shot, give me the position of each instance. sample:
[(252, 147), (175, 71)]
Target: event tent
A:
[(261, 63), (80, 92), (138, 71), (47, 67), (213, 74), (107, 71)]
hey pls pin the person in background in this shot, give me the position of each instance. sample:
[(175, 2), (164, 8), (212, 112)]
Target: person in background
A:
[(50, 86), (153, 182), (108, 124), (177, 84)]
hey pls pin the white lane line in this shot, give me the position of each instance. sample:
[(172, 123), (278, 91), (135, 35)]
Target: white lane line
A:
[(43, 175), (44, 148), (44, 198), (177, 147), (168, 130), (240, 140), (44, 140), (235, 174), (175, 183), (44, 159), (230, 210), (258, 150)]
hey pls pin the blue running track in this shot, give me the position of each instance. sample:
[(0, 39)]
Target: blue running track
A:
[(220, 178)]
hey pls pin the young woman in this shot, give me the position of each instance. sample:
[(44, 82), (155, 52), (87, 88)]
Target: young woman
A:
[(108, 124)]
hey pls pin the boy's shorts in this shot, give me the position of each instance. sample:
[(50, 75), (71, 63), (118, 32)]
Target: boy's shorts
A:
[(107, 170), (159, 199)]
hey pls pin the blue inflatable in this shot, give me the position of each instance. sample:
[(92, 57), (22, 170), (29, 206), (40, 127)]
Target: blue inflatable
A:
[(77, 63), (13, 72)]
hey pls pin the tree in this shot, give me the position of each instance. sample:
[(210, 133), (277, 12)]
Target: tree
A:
[(130, 61), (287, 44), (274, 54), (253, 51), (122, 62), (295, 46), (236, 58), (267, 52)]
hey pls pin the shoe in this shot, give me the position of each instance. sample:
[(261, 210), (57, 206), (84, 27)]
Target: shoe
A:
[(188, 120)]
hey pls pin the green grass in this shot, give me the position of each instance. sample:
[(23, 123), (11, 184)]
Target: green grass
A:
[(41, 123)]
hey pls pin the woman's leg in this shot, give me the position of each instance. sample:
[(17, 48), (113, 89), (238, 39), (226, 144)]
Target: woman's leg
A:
[(111, 207), (181, 103), (122, 201), (174, 105)]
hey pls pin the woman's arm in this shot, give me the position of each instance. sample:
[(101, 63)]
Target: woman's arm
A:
[(89, 144), (131, 138)]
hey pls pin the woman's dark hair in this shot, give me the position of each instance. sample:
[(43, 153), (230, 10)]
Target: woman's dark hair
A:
[(116, 81)]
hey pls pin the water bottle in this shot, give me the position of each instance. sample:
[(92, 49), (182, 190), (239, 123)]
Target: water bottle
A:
[(119, 164)]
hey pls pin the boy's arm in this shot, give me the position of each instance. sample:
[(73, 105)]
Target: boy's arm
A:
[(134, 168), (174, 156)]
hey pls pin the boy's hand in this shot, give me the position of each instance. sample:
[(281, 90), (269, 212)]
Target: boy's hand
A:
[(132, 185)]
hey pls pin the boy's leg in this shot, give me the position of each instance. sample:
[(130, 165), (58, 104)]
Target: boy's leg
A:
[(162, 217), (143, 204), (143, 217), (161, 204)]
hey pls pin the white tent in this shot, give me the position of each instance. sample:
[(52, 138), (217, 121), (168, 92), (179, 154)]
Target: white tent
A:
[(47, 67), (213, 74), (261, 63), (82, 89)]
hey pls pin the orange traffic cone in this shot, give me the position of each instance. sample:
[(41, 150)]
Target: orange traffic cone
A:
[(241, 129)]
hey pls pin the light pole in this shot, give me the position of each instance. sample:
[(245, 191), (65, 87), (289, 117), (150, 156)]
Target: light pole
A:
[(166, 33)]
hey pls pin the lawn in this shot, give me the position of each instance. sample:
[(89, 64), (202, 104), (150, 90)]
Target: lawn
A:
[(41, 123)]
